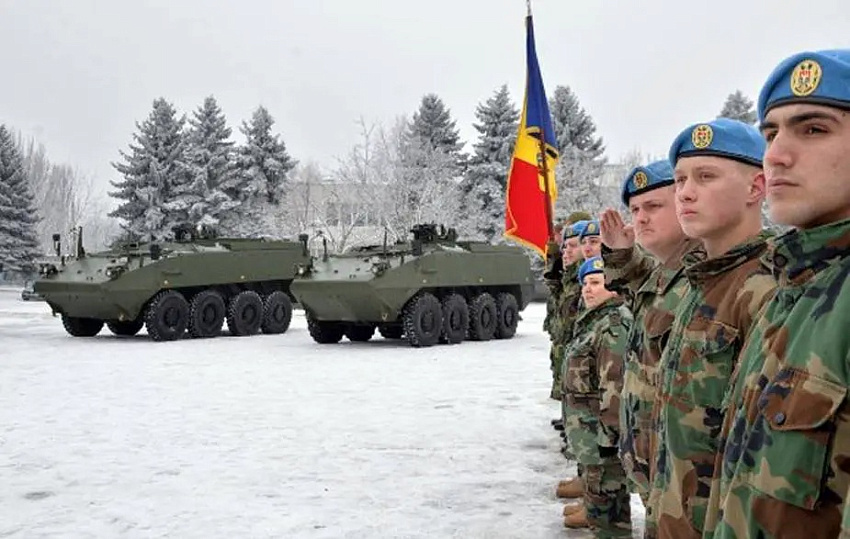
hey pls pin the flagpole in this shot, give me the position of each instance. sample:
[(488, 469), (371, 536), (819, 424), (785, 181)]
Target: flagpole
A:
[(547, 199)]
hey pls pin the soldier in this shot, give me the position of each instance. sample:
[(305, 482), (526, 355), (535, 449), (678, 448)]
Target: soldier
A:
[(593, 381), (657, 284), (561, 290), (784, 469), (719, 187), (568, 309)]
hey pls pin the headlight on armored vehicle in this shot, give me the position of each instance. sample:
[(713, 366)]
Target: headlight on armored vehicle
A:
[(114, 271), (302, 270)]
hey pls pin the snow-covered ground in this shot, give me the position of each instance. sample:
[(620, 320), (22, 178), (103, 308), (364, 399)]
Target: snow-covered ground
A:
[(274, 436)]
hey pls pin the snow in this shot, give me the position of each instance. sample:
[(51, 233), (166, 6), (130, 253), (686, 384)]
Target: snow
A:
[(274, 436)]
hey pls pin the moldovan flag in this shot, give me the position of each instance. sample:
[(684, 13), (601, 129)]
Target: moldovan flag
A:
[(527, 219)]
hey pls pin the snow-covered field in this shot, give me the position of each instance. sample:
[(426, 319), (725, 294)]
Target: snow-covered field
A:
[(274, 436)]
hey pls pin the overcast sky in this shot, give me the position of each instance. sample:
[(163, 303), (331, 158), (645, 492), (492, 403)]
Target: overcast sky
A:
[(77, 74)]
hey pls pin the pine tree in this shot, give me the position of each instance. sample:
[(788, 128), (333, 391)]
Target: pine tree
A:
[(211, 165), (264, 165), (581, 161), (19, 246), (486, 177), (738, 107), (434, 129), (155, 174)]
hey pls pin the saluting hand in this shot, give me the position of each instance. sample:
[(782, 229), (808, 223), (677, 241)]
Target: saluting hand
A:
[(616, 234)]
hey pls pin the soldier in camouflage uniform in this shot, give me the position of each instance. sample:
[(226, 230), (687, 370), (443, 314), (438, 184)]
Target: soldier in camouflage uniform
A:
[(785, 469), (657, 284), (719, 193), (568, 308), (557, 319), (593, 382)]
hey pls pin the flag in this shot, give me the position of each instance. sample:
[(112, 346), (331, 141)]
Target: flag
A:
[(528, 220)]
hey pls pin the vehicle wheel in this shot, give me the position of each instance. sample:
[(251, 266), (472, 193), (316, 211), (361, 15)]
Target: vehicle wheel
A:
[(391, 331), (167, 316), (508, 312), (277, 313), (324, 332), (423, 320), (206, 314), (455, 319), (125, 328), (245, 313), (483, 315), (82, 327), (359, 333)]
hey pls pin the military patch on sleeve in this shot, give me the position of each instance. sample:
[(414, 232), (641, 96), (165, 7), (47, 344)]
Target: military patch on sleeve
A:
[(702, 136), (598, 264), (805, 78), (640, 180)]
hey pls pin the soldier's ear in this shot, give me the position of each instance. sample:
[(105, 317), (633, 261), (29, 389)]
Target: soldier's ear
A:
[(758, 188)]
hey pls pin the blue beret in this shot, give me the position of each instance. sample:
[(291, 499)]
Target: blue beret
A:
[(589, 266), (722, 137), (820, 78), (573, 230), (590, 228), (643, 179)]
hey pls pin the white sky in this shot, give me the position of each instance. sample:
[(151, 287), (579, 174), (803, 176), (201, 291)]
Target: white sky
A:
[(78, 74)]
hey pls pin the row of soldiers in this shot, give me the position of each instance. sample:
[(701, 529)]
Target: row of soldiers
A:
[(702, 361)]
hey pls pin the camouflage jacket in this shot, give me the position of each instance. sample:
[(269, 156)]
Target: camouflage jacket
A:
[(711, 323), (594, 365), (657, 289), (845, 519), (566, 307), (785, 470)]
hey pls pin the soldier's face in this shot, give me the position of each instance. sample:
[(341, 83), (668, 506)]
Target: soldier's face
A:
[(654, 218), (591, 246), (807, 164), (571, 251), (593, 290), (714, 195)]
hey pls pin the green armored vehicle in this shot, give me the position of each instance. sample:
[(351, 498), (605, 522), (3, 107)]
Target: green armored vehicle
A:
[(431, 289), (193, 283)]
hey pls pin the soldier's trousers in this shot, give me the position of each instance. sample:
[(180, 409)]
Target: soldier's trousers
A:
[(606, 486), (556, 359)]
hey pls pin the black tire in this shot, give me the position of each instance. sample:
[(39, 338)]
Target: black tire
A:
[(125, 328), (81, 327), (423, 320), (277, 313), (508, 309), (167, 316), (325, 332), (455, 319), (359, 333), (483, 316), (391, 331), (245, 313), (206, 314)]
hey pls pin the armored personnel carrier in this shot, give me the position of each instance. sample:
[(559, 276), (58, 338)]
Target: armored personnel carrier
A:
[(191, 284), (431, 289)]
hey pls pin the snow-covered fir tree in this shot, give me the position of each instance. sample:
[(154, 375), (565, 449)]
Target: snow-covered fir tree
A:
[(433, 128), (263, 166), (486, 177), (19, 246), (211, 165), (581, 161), (738, 107), (155, 173)]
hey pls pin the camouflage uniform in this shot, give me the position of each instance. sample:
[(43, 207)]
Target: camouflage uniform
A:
[(593, 382), (657, 290), (565, 309), (845, 519), (785, 469), (713, 319)]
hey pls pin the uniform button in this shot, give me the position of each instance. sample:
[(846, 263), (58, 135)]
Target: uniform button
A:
[(779, 418), (779, 261)]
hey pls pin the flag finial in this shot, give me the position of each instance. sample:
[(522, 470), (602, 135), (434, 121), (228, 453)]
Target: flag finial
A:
[(528, 6)]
